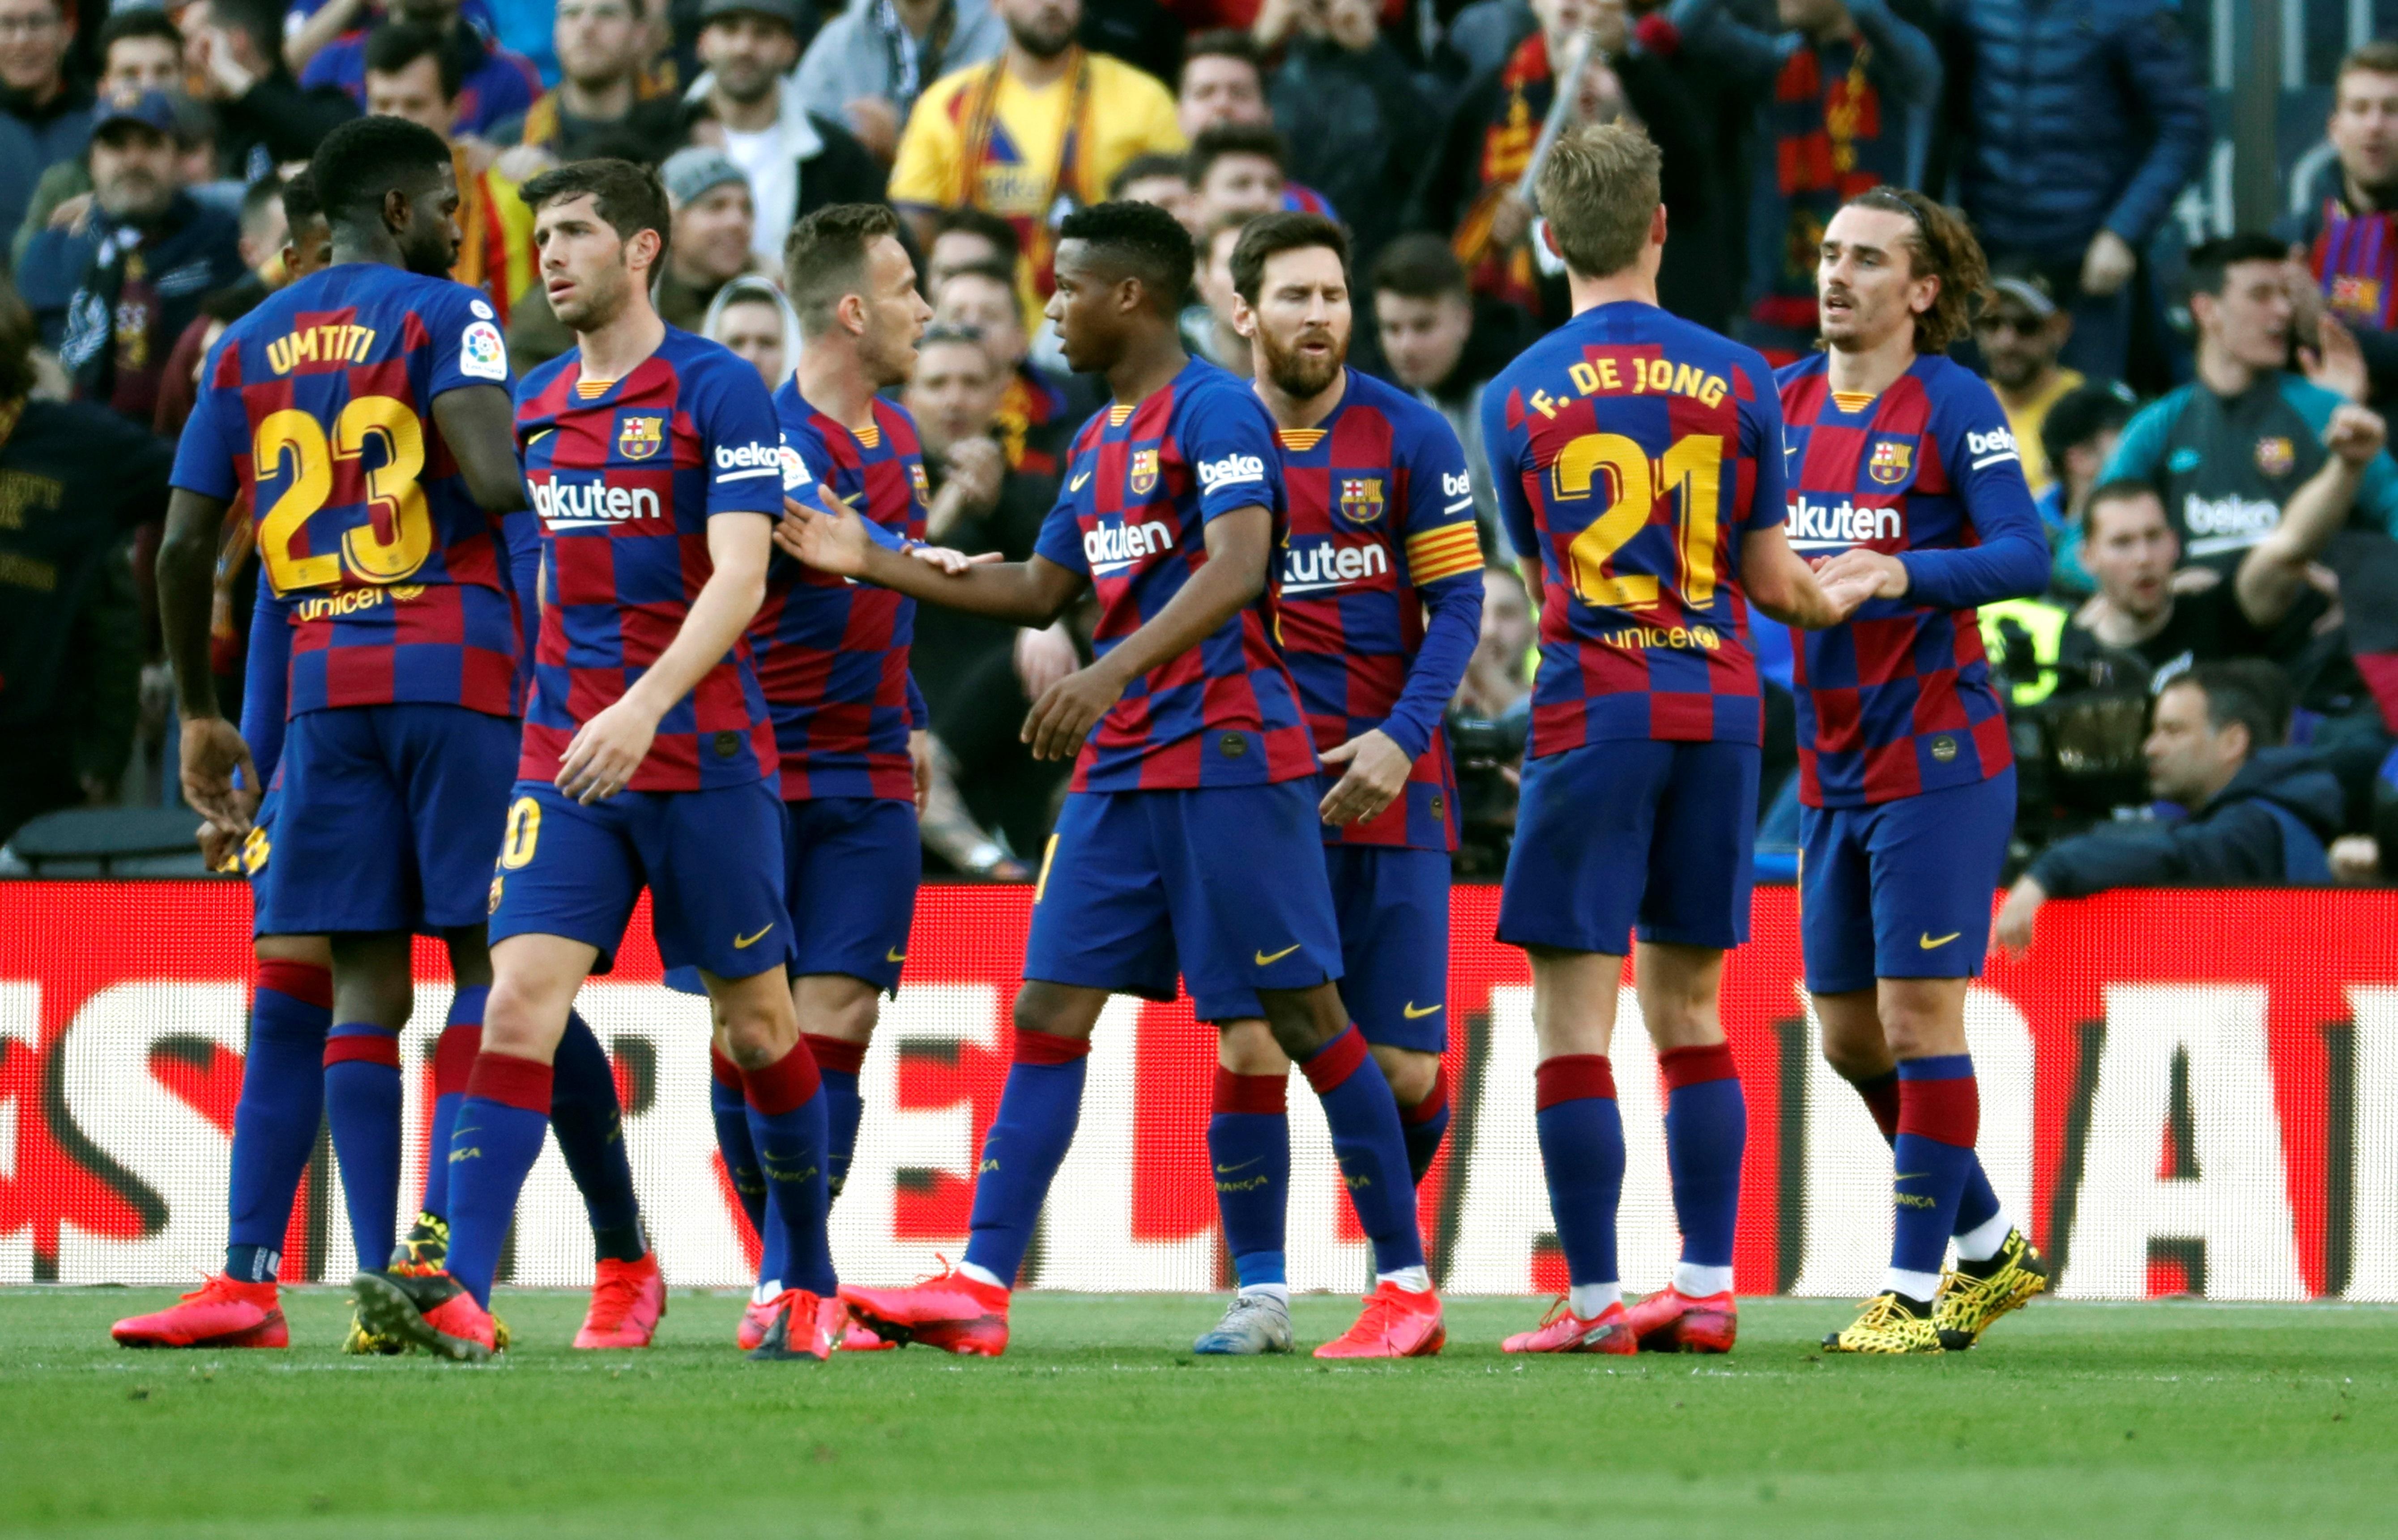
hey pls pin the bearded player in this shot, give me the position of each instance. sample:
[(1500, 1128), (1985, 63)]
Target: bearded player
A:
[(1380, 586), (1905, 475), (648, 757), (1189, 841), (1638, 459)]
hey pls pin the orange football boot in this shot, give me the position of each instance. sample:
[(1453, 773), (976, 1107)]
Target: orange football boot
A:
[(803, 1327), (757, 1318), (952, 1312), (628, 1299), (1671, 1321), (858, 1337), (222, 1312), (428, 1310), (1563, 1331), (1396, 1323)]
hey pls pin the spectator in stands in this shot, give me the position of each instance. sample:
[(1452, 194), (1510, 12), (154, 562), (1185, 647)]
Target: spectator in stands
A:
[(796, 161), (1352, 110), (605, 94), (2258, 813), (980, 502), (44, 119), (265, 232), (2071, 129), (1037, 412), (140, 50), (1223, 80), (2347, 233), (2077, 437), (410, 73), (968, 237), (266, 117), (1235, 169), (1845, 95), (2231, 451), (113, 297), (1489, 721), (494, 83), (1443, 341), (1041, 128), (1161, 180), (2020, 331), (750, 316), (1208, 330), (868, 64), (1482, 35), (2141, 629)]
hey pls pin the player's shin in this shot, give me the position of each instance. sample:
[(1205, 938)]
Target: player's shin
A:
[(786, 1124), (1580, 1130), (589, 1124), (499, 1132), (275, 1122), (1707, 1127), (1249, 1146), (838, 1060), (731, 1110), (362, 1105), (1371, 1150), (453, 1061), (1028, 1141), (1939, 1113), (1424, 1126), (1982, 1223)]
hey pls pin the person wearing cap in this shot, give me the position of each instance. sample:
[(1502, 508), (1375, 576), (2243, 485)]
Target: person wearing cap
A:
[(867, 65), (2020, 334), (796, 161), (44, 118), (493, 82), (112, 298)]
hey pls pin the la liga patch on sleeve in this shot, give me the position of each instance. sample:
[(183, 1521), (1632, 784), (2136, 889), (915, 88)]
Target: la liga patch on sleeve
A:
[(481, 353)]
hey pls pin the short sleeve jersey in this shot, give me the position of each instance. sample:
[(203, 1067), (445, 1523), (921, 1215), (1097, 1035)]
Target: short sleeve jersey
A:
[(1633, 450), (1897, 699), (832, 654), (1381, 510), (1141, 482), (626, 475), (319, 405)]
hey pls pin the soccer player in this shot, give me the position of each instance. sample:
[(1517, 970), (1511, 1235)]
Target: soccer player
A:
[(647, 757), (1381, 593), (1638, 459), (1903, 475), (1189, 836), (363, 412)]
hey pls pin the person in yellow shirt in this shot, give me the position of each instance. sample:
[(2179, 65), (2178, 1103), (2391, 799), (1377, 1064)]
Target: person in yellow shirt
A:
[(1030, 136), (2020, 333)]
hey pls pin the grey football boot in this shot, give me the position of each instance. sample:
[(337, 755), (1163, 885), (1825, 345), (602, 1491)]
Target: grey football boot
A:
[(1253, 1324)]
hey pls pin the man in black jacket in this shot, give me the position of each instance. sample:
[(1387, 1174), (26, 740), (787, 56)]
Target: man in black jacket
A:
[(2259, 813), (264, 117)]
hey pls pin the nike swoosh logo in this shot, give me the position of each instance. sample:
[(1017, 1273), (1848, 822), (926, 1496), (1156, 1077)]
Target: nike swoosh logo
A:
[(743, 942), (893, 955), (1911, 1175), (1413, 1013), (1264, 958), (1228, 1170), (1076, 484), (1928, 942)]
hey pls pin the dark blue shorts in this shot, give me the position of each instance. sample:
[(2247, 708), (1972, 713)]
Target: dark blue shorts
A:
[(1224, 884), (712, 862), (850, 869), (1393, 908), (257, 850), (1633, 831), (387, 820), (1902, 890)]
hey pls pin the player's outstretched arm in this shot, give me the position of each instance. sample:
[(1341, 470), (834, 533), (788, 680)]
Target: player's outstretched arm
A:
[(1027, 593), (609, 748), (1779, 583), (479, 424), (1239, 540), (211, 748)]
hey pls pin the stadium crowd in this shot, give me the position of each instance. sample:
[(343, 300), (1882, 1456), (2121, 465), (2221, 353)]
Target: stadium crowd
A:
[(2201, 427)]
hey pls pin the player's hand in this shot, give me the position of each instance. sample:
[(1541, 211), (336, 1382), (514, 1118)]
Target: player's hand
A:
[(2012, 933), (952, 561), (2354, 434), (2335, 362), (1067, 712), (605, 752), (211, 751), (219, 847), (829, 542), (1377, 773), (1886, 576), (920, 764)]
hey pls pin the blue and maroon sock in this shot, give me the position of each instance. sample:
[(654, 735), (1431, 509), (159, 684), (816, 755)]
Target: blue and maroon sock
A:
[(453, 1060), (786, 1124), (837, 1060), (1939, 1113), (501, 1124), (1581, 1131), (275, 1121), (1038, 1109), (589, 1123), (1372, 1152), (362, 1102), (1982, 1224), (1425, 1124), (1707, 1127), (731, 1109), (1249, 1144)]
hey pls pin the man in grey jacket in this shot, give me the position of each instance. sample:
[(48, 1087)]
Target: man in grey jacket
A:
[(868, 64)]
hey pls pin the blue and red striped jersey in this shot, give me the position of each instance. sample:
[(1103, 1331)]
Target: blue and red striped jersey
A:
[(1381, 525), (1898, 699), (319, 405), (626, 475), (1141, 481), (1633, 450), (832, 654)]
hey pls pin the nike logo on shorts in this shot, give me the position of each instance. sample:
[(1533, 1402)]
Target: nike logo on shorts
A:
[(1265, 958), (893, 955), (742, 943), (1416, 1013), (1930, 942)]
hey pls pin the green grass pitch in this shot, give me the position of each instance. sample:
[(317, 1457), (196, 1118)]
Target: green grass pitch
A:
[(2071, 1420)]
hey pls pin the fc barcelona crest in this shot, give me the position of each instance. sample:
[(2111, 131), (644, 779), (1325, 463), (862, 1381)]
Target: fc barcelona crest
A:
[(2276, 456), (1143, 479), (1361, 498), (924, 487), (1890, 462), (638, 438)]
